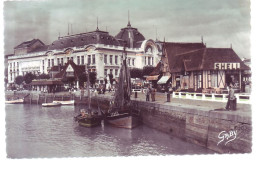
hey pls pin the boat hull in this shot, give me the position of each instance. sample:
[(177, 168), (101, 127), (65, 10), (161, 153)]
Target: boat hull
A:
[(51, 104), (18, 101), (124, 120), (69, 102), (89, 120)]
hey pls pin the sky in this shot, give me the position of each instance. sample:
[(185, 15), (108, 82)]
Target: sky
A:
[(222, 23)]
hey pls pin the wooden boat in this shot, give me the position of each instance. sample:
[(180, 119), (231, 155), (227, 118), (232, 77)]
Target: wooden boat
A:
[(17, 101), (120, 113), (68, 102), (88, 119), (51, 104)]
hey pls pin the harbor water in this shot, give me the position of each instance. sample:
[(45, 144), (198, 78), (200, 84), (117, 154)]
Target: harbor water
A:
[(33, 131)]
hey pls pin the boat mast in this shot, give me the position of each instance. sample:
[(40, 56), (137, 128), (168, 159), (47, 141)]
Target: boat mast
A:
[(88, 83)]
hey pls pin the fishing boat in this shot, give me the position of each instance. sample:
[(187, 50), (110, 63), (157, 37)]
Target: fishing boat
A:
[(51, 104), (68, 102), (120, 114), (16, 101), (89, 117)]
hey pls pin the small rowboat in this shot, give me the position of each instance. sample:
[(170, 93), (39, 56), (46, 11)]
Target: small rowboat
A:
[(51, 104), (17, 101), (68, 102)]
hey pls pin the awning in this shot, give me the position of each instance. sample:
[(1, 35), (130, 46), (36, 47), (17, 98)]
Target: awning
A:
[(163, 79), (152, 78)]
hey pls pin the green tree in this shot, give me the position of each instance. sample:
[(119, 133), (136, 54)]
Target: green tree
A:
[(147, 70), (19, 80), (92, 78), (136, 73), (82, 79), (110, 78), (29, 77), (43, 76)]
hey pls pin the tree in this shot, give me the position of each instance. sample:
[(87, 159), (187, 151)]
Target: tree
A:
[(147, 70), (92, 78), (82, 79), (110, 78), (19, 80), (29, 77), (43, 76), (136, 73)]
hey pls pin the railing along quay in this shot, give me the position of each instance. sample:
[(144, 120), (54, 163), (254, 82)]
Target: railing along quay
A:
[(241, 98)]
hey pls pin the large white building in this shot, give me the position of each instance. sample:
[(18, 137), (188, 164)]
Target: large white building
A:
[(100, 50)]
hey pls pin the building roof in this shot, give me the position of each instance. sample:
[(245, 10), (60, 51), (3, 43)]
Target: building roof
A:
[(46, 82), (204, 59), (82, 39), (78, 69), (131, 36), (171, 49), (28, 43)]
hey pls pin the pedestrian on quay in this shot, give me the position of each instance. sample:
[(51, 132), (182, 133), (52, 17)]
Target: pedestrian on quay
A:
[(147, 93), (231, 98), (153, 94)]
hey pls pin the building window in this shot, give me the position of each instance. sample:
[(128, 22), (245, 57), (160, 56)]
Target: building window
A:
[(61, 61), (116, 72), (89, 59), (111, 71), (68, 58), (133, 62), (71, 58), (111, 59), (105, 59), (52, 62), (93, 59), (144, 60), (49, 63), (58, 61), (17, 65), (78, 60), (152, 60), (82, 60), (149, 60), (116, 62), (105, 72), (10, 65)]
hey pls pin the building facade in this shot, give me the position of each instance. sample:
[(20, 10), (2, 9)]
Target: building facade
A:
[(101, 51)]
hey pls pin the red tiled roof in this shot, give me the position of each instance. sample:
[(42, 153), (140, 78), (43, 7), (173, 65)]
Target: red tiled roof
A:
[(171, 49), (204, 59)]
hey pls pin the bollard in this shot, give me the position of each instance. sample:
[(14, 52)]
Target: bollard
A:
[(135, 94), (168, 97)]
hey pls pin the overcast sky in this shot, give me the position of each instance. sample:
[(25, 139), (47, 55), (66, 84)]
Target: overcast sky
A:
[(220, 22)]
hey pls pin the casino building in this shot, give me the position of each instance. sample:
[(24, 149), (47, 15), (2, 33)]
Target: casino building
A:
[(101, 51)]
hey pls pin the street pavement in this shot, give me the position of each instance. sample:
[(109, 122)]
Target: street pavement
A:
[(205, 104)]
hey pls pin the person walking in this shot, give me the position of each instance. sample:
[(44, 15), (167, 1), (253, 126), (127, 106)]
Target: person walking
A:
[(147, 93), (231, 97), (153, 94)]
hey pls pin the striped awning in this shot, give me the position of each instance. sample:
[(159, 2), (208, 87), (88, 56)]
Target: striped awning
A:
[(163, 79), (152, 78)]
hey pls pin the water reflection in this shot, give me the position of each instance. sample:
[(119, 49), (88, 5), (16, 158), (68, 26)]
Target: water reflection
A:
[(33, 131)]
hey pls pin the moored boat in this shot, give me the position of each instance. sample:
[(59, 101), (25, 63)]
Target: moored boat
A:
[(120, 113), (51, 104), (17, 101), (67, 102), (88, 119)]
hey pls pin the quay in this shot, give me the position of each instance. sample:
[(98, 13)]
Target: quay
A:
[(204, 123)]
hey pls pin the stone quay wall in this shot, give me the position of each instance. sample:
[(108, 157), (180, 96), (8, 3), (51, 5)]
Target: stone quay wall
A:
[(220, 131)]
